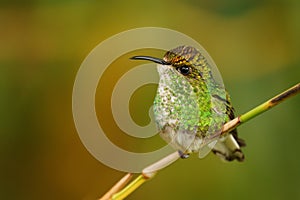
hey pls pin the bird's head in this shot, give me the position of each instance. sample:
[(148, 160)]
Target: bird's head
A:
[(184, 61)]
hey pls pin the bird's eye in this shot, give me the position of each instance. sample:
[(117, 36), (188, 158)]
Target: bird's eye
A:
[(184, 70)]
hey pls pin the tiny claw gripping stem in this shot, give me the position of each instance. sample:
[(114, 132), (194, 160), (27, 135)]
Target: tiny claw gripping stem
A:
[(183, 155)]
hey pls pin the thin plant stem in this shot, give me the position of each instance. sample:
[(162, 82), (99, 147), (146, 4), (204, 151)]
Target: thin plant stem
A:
[(130, 188), (117, 187), (270, 103), (151, 170), (261, 108), (148, 173)]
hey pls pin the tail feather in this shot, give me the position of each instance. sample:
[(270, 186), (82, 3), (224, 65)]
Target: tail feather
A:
[(229, 149)]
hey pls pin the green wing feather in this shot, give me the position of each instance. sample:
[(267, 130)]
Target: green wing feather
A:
[(229, 148)]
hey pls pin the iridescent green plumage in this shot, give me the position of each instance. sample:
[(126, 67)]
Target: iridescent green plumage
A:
[(191, 106), (192, 92)]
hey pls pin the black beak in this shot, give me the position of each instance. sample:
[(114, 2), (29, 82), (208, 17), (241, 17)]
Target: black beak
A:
[(156, 60)]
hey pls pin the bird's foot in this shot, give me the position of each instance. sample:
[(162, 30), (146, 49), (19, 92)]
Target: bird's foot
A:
[(183, 155)]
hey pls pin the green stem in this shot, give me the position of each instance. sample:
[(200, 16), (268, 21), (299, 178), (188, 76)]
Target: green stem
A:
[(130, 188), (270, 103)]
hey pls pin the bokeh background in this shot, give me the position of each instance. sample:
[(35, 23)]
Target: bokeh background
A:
[(255, 44)]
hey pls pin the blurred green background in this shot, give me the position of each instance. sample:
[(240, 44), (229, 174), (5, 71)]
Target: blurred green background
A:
[(255, 44)]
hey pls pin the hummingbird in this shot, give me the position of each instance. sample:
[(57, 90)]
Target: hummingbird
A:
[(191, 106)]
